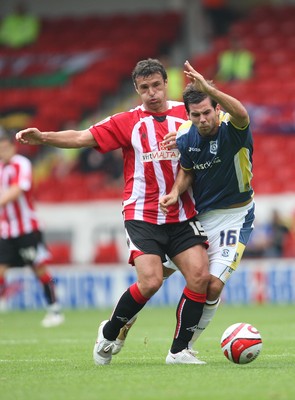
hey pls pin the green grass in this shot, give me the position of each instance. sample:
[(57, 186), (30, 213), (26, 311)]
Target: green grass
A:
[(38, 363)]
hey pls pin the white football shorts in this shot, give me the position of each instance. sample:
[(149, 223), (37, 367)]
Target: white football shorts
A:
[(228, 232)]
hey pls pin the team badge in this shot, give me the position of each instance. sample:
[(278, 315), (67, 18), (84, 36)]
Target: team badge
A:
[(225, 253), (213, 147)]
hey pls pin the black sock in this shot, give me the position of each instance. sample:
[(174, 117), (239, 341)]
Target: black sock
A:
[(130, 303), (49, 290), (188, 314)]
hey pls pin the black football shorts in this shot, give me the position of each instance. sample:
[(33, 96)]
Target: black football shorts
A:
[(25, 250), (170, 239)]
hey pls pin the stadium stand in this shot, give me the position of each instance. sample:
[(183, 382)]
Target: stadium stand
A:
[(67, 71), (60, 253), (269, 33), (66, 75)]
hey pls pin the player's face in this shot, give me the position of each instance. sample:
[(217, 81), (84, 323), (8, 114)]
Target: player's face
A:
[(205, 117), (153, 92), (7, 150)]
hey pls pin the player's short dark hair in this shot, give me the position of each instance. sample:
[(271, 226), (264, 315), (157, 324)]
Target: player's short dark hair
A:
[(148, 67), (193, 96)]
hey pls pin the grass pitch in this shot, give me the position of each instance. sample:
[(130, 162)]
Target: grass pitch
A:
[(56, 363)]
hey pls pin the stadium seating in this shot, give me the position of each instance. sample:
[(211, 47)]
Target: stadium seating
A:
[(61, 253), (106, 253), (67, 71), (269, 32)]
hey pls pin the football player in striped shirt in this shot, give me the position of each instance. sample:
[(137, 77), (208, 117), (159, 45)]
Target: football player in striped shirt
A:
[(21, 241), (149, 172), (216, 161)]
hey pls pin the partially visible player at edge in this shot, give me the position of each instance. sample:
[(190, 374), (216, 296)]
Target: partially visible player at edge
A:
[(21, 240), (216, 159), (149, 171)]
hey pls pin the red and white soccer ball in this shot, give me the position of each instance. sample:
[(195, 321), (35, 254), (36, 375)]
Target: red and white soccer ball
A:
[(241, 343)]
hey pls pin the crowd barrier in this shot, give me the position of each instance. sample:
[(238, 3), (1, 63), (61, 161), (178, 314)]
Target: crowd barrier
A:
[(255, 281)]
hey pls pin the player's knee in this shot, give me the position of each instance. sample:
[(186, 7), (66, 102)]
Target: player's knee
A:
[(150, 286), (199, 280), (215, 287)]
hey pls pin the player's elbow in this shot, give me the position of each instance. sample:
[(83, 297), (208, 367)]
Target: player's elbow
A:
[(84, 139)]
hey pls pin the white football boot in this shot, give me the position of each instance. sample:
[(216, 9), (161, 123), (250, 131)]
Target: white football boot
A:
[(53, 317), (102, 351), (183, 357)]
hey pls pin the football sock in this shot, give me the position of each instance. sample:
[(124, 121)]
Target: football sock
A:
[(48, 288), (209, 311), (130, 303), (135, 316), (188, 314)]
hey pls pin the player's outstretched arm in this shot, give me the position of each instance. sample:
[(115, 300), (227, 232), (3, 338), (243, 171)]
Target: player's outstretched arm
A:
[(63, 139), (238, 113)]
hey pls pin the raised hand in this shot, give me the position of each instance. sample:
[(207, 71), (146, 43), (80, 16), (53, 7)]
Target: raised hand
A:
[(196, 78)]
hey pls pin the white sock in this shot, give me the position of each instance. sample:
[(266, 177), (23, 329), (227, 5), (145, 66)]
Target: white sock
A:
[(54, 308), (209, 311)]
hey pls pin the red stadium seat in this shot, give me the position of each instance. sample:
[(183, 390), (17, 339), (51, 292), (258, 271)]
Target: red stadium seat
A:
[(107, 253), (61, 253)]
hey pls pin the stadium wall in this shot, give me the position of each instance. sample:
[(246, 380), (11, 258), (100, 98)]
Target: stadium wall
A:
[(87, 224), (86, 285), (255, 282)]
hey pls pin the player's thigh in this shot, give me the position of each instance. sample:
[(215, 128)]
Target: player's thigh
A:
[(192, 260), (228, 233), (149, 273), (193, 264), (145, 239), (149, 266)]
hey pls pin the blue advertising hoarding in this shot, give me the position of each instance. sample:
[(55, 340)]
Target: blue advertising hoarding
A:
[(271, 281)]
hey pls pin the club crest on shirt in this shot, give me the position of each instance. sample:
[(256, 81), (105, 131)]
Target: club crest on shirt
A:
[(225, 253), (213, 146)]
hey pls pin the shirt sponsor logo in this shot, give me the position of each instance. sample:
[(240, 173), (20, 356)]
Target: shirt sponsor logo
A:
[(207, 164), (161, 155)]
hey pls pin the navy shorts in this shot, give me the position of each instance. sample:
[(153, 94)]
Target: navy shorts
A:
[(25, 250), (171, 239)]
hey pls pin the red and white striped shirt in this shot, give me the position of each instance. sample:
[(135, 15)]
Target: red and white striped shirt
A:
[(149, 169), (17, 217)]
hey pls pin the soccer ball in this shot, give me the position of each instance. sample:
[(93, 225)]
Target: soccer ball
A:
[(241, 343)]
